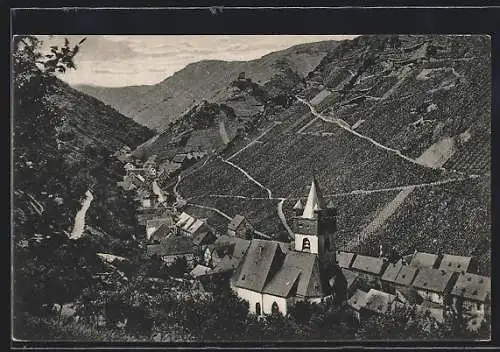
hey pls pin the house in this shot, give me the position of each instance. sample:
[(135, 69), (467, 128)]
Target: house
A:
[(378, 301), (398, 275), (369, 268), (199, 270), (455, 263), (272, 278), (388, 278), (408, 295), (180, 159), (239, 227), (471, 293), (436, 311), (171, 248), (424, 260), (232, 247), (405, 276), (345, 259), (196, 228), (433, 284), (153, 224), (357, 300), (203, 238), (352, 280), (160, 234)]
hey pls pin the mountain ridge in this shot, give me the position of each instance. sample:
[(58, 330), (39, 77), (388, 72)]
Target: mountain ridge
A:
[(150, 104)]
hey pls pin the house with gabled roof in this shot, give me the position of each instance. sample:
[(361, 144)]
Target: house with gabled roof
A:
[(455, 263), (369, 268), (352, 280), (173, 247), (345, 259), (378, 302), (406, 276), (424, 260), (358, 300), (472, 293), (239, 226), (434, 284), (153, 224), (272, 278), (388, 278)]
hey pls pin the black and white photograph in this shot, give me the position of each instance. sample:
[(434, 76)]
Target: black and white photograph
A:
[(248, 188)]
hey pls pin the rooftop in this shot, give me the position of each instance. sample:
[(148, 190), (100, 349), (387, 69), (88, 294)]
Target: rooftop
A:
[(357, 300), (235, 222), (314, 201), (257, 263), (455, 263), (350, 277), (301, 268), (161, 233), (421, 259), (472, 287), (378, 301), (391, 272), (200, 270), (435, 280), (173, 245), (345, 259), (406, 275), (372, 265)]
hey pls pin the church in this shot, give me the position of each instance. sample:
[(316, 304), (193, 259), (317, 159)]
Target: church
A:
[(273, 277)]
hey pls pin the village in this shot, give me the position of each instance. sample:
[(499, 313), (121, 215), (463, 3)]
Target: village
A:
[(272, 276)]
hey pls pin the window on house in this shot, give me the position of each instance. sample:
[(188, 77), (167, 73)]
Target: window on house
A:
[(275, 308), (257, 308), (306, 245), (479, 306)]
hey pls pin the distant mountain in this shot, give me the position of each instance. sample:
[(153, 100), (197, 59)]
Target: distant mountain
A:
[(157, 105)]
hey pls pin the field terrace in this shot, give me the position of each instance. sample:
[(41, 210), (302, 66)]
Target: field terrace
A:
[(454, 217)]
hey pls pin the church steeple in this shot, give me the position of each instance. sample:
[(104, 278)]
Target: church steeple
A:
[(315, 201), (315, 226)]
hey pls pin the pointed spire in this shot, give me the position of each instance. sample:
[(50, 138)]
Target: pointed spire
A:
[(314, 200), (298, 205)]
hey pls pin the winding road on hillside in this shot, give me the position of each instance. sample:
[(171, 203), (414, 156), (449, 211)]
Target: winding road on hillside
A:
[(341, 123)]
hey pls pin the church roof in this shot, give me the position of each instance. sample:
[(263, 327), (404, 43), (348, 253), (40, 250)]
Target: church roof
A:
[(315, 200), (301, 268), (256, 266)]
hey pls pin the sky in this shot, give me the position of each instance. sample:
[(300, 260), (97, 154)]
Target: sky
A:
[(119, 60)]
